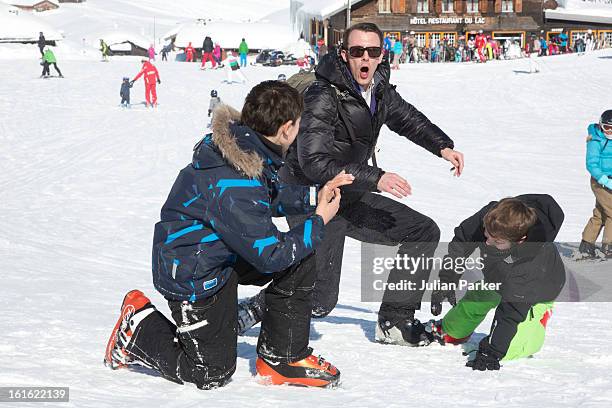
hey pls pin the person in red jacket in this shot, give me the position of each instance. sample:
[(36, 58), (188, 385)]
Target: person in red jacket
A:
[(151, 75), (189, 53), (481, 42)]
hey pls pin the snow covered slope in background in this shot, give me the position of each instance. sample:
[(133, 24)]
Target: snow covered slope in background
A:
[(84, 23), (83, 182)]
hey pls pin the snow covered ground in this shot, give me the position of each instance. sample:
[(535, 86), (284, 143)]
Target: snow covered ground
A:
[(83, 181)]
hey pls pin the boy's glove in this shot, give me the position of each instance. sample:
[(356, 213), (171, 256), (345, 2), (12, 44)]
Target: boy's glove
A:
[(131, 84), (485, 358), (438, 296), (209, 111), (158, 81)]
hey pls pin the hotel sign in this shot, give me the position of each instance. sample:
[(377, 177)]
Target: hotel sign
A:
[(447, 20)]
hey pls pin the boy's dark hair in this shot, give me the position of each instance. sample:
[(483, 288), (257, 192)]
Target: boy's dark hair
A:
[(510, 219), (269, 105), (367, 27)]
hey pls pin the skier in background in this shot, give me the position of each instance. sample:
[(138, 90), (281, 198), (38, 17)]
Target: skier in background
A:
[(152, 53), (533, 50), (104, 50), (48, 59), (189, 52), (524, 273), (214, 102), (124, 93), (599, 165), (151, 76), (41, 43), (217, 53), (243, 50), (207, 53), (233, 67), (165, 50)]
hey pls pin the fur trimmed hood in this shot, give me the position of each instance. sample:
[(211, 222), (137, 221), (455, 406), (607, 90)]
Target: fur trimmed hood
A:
[(240, 154)]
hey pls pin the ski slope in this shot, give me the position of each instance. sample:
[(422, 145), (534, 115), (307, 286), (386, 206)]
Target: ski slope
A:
[(83, 181)]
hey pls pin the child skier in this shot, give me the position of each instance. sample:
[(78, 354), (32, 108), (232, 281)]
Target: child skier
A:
[(233, 68), (599, 165), (216, 232), (523, 273), (125, 92), (214, 102)]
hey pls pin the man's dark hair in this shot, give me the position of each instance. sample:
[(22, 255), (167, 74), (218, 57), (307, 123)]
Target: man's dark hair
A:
[(367, 27), (271, 104)]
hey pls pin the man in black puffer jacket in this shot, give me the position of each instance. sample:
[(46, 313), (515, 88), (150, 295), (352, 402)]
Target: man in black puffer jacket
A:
[(344, 110)]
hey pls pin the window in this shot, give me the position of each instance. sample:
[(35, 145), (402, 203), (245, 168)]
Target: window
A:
[(421, 39), (472, 6), (422, 6), (447, 6), (384, 6), (606, 38), (507, 6), (450, 38), (434, 38)]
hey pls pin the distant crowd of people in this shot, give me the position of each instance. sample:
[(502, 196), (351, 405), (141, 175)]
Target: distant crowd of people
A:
[(481, 47)]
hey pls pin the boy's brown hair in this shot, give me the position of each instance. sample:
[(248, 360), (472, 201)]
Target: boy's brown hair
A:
[(510, 219), (271, 104)]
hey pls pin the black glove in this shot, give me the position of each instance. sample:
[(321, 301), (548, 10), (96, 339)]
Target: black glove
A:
[(438, 296), (209, 113), (158, 81), (131, 84), (447, 276), (485, 358)]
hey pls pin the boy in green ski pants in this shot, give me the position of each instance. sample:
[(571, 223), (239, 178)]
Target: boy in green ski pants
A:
[(523, 274), (461, 321)]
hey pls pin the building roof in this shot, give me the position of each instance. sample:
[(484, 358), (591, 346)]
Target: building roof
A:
[(229, 34), (587, 16), (23, 26), (323, 9), (588, 11), (30, 3)]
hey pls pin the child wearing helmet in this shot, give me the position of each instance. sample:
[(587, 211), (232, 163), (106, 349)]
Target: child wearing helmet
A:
[(599, 165), (124, 93), (214, 101)]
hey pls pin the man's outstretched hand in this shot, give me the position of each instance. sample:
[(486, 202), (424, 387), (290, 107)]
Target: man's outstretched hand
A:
[(455, 158), (394, 184)]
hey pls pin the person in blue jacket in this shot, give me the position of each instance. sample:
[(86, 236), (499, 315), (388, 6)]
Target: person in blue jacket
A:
[(216, 232), (599, 165)]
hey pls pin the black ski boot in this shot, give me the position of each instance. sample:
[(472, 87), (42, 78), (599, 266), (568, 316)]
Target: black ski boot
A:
[(587, 250), (607, 250), (250, 312), (403, 331)]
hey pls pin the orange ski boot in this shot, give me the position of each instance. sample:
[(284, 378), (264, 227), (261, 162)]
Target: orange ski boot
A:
[(310, 372), (135, 307)]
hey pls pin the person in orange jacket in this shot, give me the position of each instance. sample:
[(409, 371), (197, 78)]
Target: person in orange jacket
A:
[(150, 76), (189, 53)]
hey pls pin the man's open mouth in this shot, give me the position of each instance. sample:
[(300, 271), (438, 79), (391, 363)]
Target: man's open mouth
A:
[(363, 72)]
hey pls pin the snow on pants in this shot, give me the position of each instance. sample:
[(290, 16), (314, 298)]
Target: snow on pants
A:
[(208, 56), (202, 347), (374, 219), (150, 93), (471, 310), (602, 215)]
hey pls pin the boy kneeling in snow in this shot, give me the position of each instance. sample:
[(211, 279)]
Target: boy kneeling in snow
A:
[(515, 237), (216, 232)]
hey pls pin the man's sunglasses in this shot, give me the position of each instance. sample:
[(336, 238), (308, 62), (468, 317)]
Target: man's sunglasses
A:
[(357, 51), (606, 128)]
